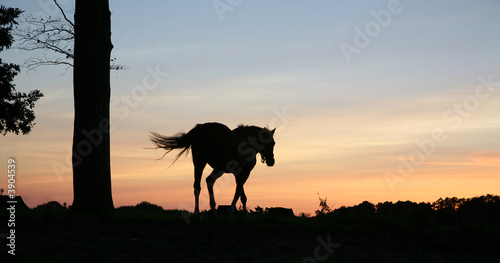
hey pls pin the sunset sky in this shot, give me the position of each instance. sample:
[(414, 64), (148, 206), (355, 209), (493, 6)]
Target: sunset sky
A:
[(378, 101)]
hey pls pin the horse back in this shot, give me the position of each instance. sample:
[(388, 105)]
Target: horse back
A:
[(213, 143)]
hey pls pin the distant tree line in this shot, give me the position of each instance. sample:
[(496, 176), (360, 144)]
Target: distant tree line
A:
[(448, 211)]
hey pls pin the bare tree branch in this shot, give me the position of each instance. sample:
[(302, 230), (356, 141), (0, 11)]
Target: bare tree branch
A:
[(64, 14), (52, 35), (36, 61), (49, 34)]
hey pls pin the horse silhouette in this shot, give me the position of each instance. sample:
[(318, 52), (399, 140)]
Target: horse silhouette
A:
[(225, 150)]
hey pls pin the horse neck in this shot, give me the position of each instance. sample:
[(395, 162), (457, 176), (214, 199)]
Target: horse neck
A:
[(243, 132)]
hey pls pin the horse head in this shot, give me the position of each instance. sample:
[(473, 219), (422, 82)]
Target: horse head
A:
[(267, 140)]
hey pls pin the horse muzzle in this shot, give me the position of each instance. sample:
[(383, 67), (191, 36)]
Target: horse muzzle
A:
[(270, 161), (267, 160)]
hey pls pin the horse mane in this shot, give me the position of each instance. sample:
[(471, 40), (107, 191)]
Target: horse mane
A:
[(247, 129)]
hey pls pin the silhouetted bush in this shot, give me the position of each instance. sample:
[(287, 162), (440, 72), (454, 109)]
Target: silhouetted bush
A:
[(325, 208), (258, 211), (147, 206), (405, 213), (52, 205), (279, 212), (358, 216), (481, 209), (304, 215), (364, 209), (446, 210)]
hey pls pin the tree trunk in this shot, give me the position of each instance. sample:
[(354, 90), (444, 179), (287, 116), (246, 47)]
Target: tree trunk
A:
[(91, 88)]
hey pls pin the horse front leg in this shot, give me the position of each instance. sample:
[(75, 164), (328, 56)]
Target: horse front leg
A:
[(210, 184), (240, 192), (237, 194)]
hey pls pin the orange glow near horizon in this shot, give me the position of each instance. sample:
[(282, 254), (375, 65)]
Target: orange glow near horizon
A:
[(347, 169), (174, 191), (295, 181)]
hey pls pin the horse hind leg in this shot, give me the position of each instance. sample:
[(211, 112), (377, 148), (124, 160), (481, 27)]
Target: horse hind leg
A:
[(198, 172), (210, 184)]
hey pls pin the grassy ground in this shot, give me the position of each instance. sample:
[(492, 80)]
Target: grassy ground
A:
[(155, 235)]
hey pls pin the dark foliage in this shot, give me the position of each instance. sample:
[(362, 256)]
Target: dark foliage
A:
[(477, 211), (279, 212), (144, 205), (404, 213), (7, 21), (16, 107), (52, 205), (482, 209), (364, 209), (325, 208), (387, 232)]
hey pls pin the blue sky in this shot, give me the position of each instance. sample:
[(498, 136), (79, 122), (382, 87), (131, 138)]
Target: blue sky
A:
[(341, 125)]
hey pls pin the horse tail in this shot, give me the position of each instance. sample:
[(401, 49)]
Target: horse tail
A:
[(178, 141)]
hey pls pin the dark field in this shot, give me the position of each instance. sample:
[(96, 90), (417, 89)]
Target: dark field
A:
[(387, 232)]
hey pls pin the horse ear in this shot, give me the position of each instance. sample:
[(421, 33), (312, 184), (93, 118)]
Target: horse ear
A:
[(272, 132)]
